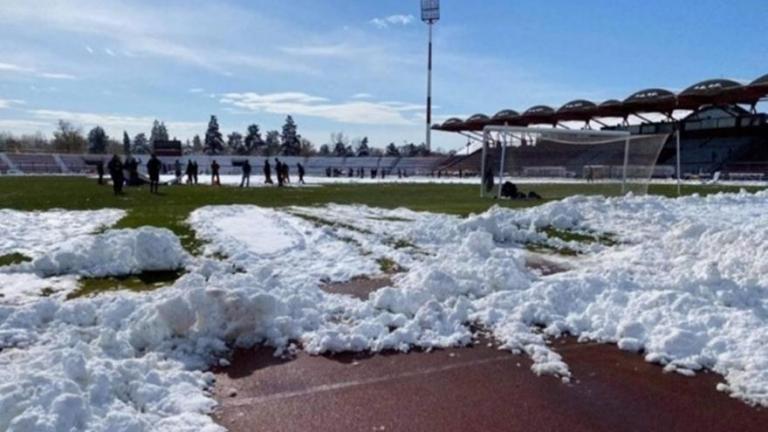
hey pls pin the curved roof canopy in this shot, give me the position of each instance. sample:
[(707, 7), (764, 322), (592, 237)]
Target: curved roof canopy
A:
[(453, 124), (578, 109), (507, 116), (651, 100), (711, 92), (538, 114)]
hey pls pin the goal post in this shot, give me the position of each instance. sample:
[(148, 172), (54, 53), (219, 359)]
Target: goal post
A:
[(617, 159)]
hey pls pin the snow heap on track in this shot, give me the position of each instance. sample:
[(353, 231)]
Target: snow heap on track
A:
[(686, 285)]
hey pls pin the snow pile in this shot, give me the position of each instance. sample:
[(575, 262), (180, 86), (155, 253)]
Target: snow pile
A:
[(113, 253), (686, 285), (32, 233)]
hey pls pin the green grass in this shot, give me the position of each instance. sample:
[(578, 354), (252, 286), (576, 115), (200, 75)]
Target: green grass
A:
[(146, 281), (173, 206), (13, 258)]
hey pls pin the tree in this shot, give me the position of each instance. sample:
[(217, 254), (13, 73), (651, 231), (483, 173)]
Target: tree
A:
[(339, 143), (362, 148), (306, 148), (392, 150), (272, 143), (291, 139), (325, 150), (158, 133), (253, 141), (197, 145), (68, 139), (97, 141), (126, 143), (140, 144), (214, 143), (235, 143)]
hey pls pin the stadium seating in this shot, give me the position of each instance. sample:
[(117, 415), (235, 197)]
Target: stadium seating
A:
[(35, 163)]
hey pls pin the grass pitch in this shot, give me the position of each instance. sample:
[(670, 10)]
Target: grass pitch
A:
[(171, 208)]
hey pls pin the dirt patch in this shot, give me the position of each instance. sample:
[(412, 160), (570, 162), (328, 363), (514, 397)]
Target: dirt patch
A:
[(358, 287)]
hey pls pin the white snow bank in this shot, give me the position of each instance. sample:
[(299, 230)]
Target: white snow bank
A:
[(112, 253), (32, 233), (687, 285)]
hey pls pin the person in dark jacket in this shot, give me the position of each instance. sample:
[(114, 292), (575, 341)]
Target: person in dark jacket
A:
[(267, 172), (279, 172), (215, 179), (153, 169), (115, 167), (189, 171), (246, 180), (300, 168), (195, 171), (100, 171), (177, 166)]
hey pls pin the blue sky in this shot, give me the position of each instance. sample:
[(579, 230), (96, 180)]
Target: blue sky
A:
[(349, 65)]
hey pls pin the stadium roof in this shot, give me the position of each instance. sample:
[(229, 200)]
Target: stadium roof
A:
[(654, 100)]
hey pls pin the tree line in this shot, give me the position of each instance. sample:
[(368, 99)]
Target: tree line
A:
[(286, 142)]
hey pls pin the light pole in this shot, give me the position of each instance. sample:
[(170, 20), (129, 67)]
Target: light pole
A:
[(430, 14)]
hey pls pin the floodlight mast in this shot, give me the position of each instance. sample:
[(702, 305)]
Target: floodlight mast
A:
[(430, 14)]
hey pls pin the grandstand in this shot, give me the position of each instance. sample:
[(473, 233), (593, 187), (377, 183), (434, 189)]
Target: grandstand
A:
[(720, 130)]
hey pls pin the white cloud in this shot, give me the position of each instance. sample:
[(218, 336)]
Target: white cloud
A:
[(6, 103), (8, 67), (114, 124), (362, 96), (296, 103), (109, 52), (394, 20), (89, 49)]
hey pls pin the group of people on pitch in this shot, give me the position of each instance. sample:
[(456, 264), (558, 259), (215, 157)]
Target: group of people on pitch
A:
[(116, 168), (282, 171)]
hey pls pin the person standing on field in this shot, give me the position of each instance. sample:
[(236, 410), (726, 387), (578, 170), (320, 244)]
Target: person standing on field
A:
[(153, 169), (115, 167), (300, 167), (279, 172), (267, 172), (100, 171), (215, 179), (246, 180), (195, 171)]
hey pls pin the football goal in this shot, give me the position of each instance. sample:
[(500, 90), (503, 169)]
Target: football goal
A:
[(616, 159)]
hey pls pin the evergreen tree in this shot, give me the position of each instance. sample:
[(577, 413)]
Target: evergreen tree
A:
[(325, 150), (362, 148), (140, 144), (253, 141), (159, 133), (126, 143), (272, 143), (392, 150), (214, 143), (291, 140), (235, 143), (197, 145), (97, 141)]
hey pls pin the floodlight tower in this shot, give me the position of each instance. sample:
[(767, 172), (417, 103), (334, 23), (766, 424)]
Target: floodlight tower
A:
[(430, 14)]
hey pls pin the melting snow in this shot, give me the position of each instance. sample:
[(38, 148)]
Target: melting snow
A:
[(686, 285)]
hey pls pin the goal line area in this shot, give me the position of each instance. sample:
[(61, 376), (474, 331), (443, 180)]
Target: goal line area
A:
[(613, 157)]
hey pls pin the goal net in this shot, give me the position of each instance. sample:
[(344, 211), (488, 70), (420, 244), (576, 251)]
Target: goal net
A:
[(615, 160)]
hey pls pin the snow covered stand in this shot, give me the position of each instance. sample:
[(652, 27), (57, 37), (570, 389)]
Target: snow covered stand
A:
[(620, 161)]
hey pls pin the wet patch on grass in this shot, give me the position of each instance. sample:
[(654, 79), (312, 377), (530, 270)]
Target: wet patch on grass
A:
[(318, 221), (605, 239), (147, 281), (13, 259), (389, 219)]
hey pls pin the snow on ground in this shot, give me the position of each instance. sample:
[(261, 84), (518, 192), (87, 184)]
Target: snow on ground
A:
[(686, 285), (32, 233), (258, 181)]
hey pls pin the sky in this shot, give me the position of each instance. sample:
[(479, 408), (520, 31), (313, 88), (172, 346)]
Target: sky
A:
[(351, 66)]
